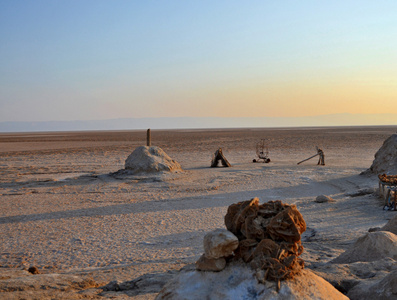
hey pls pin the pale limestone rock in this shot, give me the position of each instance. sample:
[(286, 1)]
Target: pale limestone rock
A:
[(323, 199), (386, 158), (385, 289), (237, 281), (219, 243), (370, 247), (150, 159), (391, 225), (210, 264)]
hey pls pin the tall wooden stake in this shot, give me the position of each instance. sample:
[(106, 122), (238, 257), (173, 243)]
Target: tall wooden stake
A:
[(148, 138)]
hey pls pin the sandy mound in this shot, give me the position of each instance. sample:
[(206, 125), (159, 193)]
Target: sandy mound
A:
[(150, 159), (385, 288), (386, 158), (391, 226), (372, 246)]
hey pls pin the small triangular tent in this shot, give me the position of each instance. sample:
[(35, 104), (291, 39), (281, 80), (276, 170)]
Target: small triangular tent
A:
[(218, 156)]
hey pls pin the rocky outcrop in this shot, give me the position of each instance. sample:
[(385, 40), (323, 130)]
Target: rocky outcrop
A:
[(146, 159), (237, 281), (257, 257), (385, 289), (370, 247), (269, 237), (386, 158), (391, 226)]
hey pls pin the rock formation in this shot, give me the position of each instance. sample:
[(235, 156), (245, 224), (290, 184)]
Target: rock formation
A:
[(323, 199), (237, 281), (370, 247), (386, 158), (269, 237), (385, 289), (255, 258), (146, 159), (391, 225)]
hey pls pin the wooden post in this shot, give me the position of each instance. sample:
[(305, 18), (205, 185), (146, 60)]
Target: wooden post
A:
[(148, 138), (307, 159)]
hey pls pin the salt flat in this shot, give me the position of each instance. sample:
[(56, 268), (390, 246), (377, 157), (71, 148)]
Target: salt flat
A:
[(65, 211)]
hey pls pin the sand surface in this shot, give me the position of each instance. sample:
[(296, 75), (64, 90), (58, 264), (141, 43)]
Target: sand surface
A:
[(66, 211)]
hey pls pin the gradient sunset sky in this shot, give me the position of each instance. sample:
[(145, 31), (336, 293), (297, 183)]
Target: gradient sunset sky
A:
[(92, 59)]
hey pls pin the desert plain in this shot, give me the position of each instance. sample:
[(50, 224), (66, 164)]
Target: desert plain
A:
[(66, 209)]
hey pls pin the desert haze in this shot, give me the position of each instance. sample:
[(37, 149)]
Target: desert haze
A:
[(69, 212)]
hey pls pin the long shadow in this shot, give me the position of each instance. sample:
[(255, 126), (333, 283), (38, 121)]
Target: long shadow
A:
[(311, 189)]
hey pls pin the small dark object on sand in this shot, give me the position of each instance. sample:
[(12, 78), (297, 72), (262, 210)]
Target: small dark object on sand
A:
[(218, 156), (33, 270)]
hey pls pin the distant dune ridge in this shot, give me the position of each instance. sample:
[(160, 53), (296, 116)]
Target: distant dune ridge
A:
[(201, 122)]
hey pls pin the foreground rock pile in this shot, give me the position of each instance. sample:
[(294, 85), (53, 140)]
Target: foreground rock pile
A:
[(266, 237), (256, 257)]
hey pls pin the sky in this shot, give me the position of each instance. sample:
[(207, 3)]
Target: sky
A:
[(94, 60)]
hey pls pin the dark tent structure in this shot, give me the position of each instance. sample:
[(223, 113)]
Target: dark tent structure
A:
[(218, 156)]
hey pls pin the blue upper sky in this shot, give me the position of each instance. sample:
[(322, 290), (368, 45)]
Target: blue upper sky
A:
[(70, 60)]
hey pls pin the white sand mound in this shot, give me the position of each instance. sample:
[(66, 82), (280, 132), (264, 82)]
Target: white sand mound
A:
[(386, 158), (150, 159), (371, 247), (385, 289), (239, 282)]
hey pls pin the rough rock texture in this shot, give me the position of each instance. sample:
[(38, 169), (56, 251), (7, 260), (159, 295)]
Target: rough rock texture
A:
[(385, 289), (269, 236), (391, 226), (150, 159), (323, 199), (210, 264), (219, 243), (372, 246), (237, 281), (386, 158)]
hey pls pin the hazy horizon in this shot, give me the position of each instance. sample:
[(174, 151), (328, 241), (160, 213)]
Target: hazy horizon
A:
[(335, 120)]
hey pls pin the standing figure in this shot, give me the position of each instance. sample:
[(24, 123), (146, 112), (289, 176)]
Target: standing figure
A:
[(321, 160)]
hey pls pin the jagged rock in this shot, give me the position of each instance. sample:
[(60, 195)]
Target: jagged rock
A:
[(237, 281), (269, 237), (323, 199), (210, 264), (219, 243), (287, 225), (150, 159), (386, 157), (372, 246), (391, 226), (385, 289)]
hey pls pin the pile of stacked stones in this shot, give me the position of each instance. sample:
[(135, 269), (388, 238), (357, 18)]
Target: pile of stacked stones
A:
[(267, 237)]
